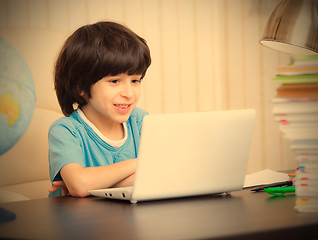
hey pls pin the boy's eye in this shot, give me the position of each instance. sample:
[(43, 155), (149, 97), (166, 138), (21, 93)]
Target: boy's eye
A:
[(136, 81), (114, 81)]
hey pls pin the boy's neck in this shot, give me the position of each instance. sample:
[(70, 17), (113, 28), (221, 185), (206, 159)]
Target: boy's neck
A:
[(111, 130), (115, 133)]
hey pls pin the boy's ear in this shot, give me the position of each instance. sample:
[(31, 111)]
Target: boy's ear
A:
[(84, 95), (80, 91)]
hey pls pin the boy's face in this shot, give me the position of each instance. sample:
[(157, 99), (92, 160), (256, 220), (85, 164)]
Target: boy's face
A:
[(113, 98)]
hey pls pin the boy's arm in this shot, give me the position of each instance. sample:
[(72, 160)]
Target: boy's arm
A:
[(129, 181), (79, 180), (56, 185)]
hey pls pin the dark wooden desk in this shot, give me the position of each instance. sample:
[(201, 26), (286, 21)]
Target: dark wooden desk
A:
[(243, 215)]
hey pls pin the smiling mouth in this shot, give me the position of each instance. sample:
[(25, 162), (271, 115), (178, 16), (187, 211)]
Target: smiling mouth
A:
[(122, 106)]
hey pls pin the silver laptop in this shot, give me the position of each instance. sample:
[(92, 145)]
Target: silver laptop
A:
[(189, 154)]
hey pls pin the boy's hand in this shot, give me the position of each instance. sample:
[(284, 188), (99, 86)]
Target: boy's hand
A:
[(57, 185)]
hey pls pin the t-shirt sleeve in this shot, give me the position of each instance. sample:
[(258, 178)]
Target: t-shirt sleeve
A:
[(64, 148)]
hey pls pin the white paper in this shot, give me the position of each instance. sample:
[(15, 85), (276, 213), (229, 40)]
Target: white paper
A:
[(265, 176)]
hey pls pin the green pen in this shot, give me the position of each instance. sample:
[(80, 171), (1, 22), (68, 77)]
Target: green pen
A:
[(279, 191)]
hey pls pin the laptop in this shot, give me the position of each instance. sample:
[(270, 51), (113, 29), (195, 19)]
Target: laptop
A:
[(189, 154)]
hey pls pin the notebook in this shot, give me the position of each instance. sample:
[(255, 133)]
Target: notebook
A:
[(189, 154)]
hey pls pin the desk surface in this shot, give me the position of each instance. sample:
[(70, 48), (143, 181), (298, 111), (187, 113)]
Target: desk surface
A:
[(242, 215)]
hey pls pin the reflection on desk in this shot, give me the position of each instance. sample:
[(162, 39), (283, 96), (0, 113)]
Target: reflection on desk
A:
[(242, 215)]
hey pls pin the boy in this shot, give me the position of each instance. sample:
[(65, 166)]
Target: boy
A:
[(99, 70)]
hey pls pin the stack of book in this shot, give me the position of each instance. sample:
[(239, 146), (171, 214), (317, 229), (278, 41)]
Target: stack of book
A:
[(295, 108)]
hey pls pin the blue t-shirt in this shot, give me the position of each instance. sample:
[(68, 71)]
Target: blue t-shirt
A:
[(72, 140)]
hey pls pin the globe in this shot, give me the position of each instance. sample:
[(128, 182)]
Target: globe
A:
[(17, 96)]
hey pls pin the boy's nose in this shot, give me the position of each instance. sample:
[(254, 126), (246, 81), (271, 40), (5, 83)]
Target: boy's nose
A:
[(127, 91)]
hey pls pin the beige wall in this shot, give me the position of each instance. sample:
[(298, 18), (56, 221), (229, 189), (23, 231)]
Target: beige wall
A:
[(206, 56)]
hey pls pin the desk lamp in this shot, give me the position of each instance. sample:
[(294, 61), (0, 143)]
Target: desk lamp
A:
[(293, 28)]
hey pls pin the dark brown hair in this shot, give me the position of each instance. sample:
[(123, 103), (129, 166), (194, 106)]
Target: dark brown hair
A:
[(93, 52)]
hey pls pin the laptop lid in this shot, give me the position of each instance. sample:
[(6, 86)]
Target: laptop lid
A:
[(188, 154)]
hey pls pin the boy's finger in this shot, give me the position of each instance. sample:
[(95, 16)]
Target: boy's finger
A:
[(58, 183), (53, 189), (64, 191)]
